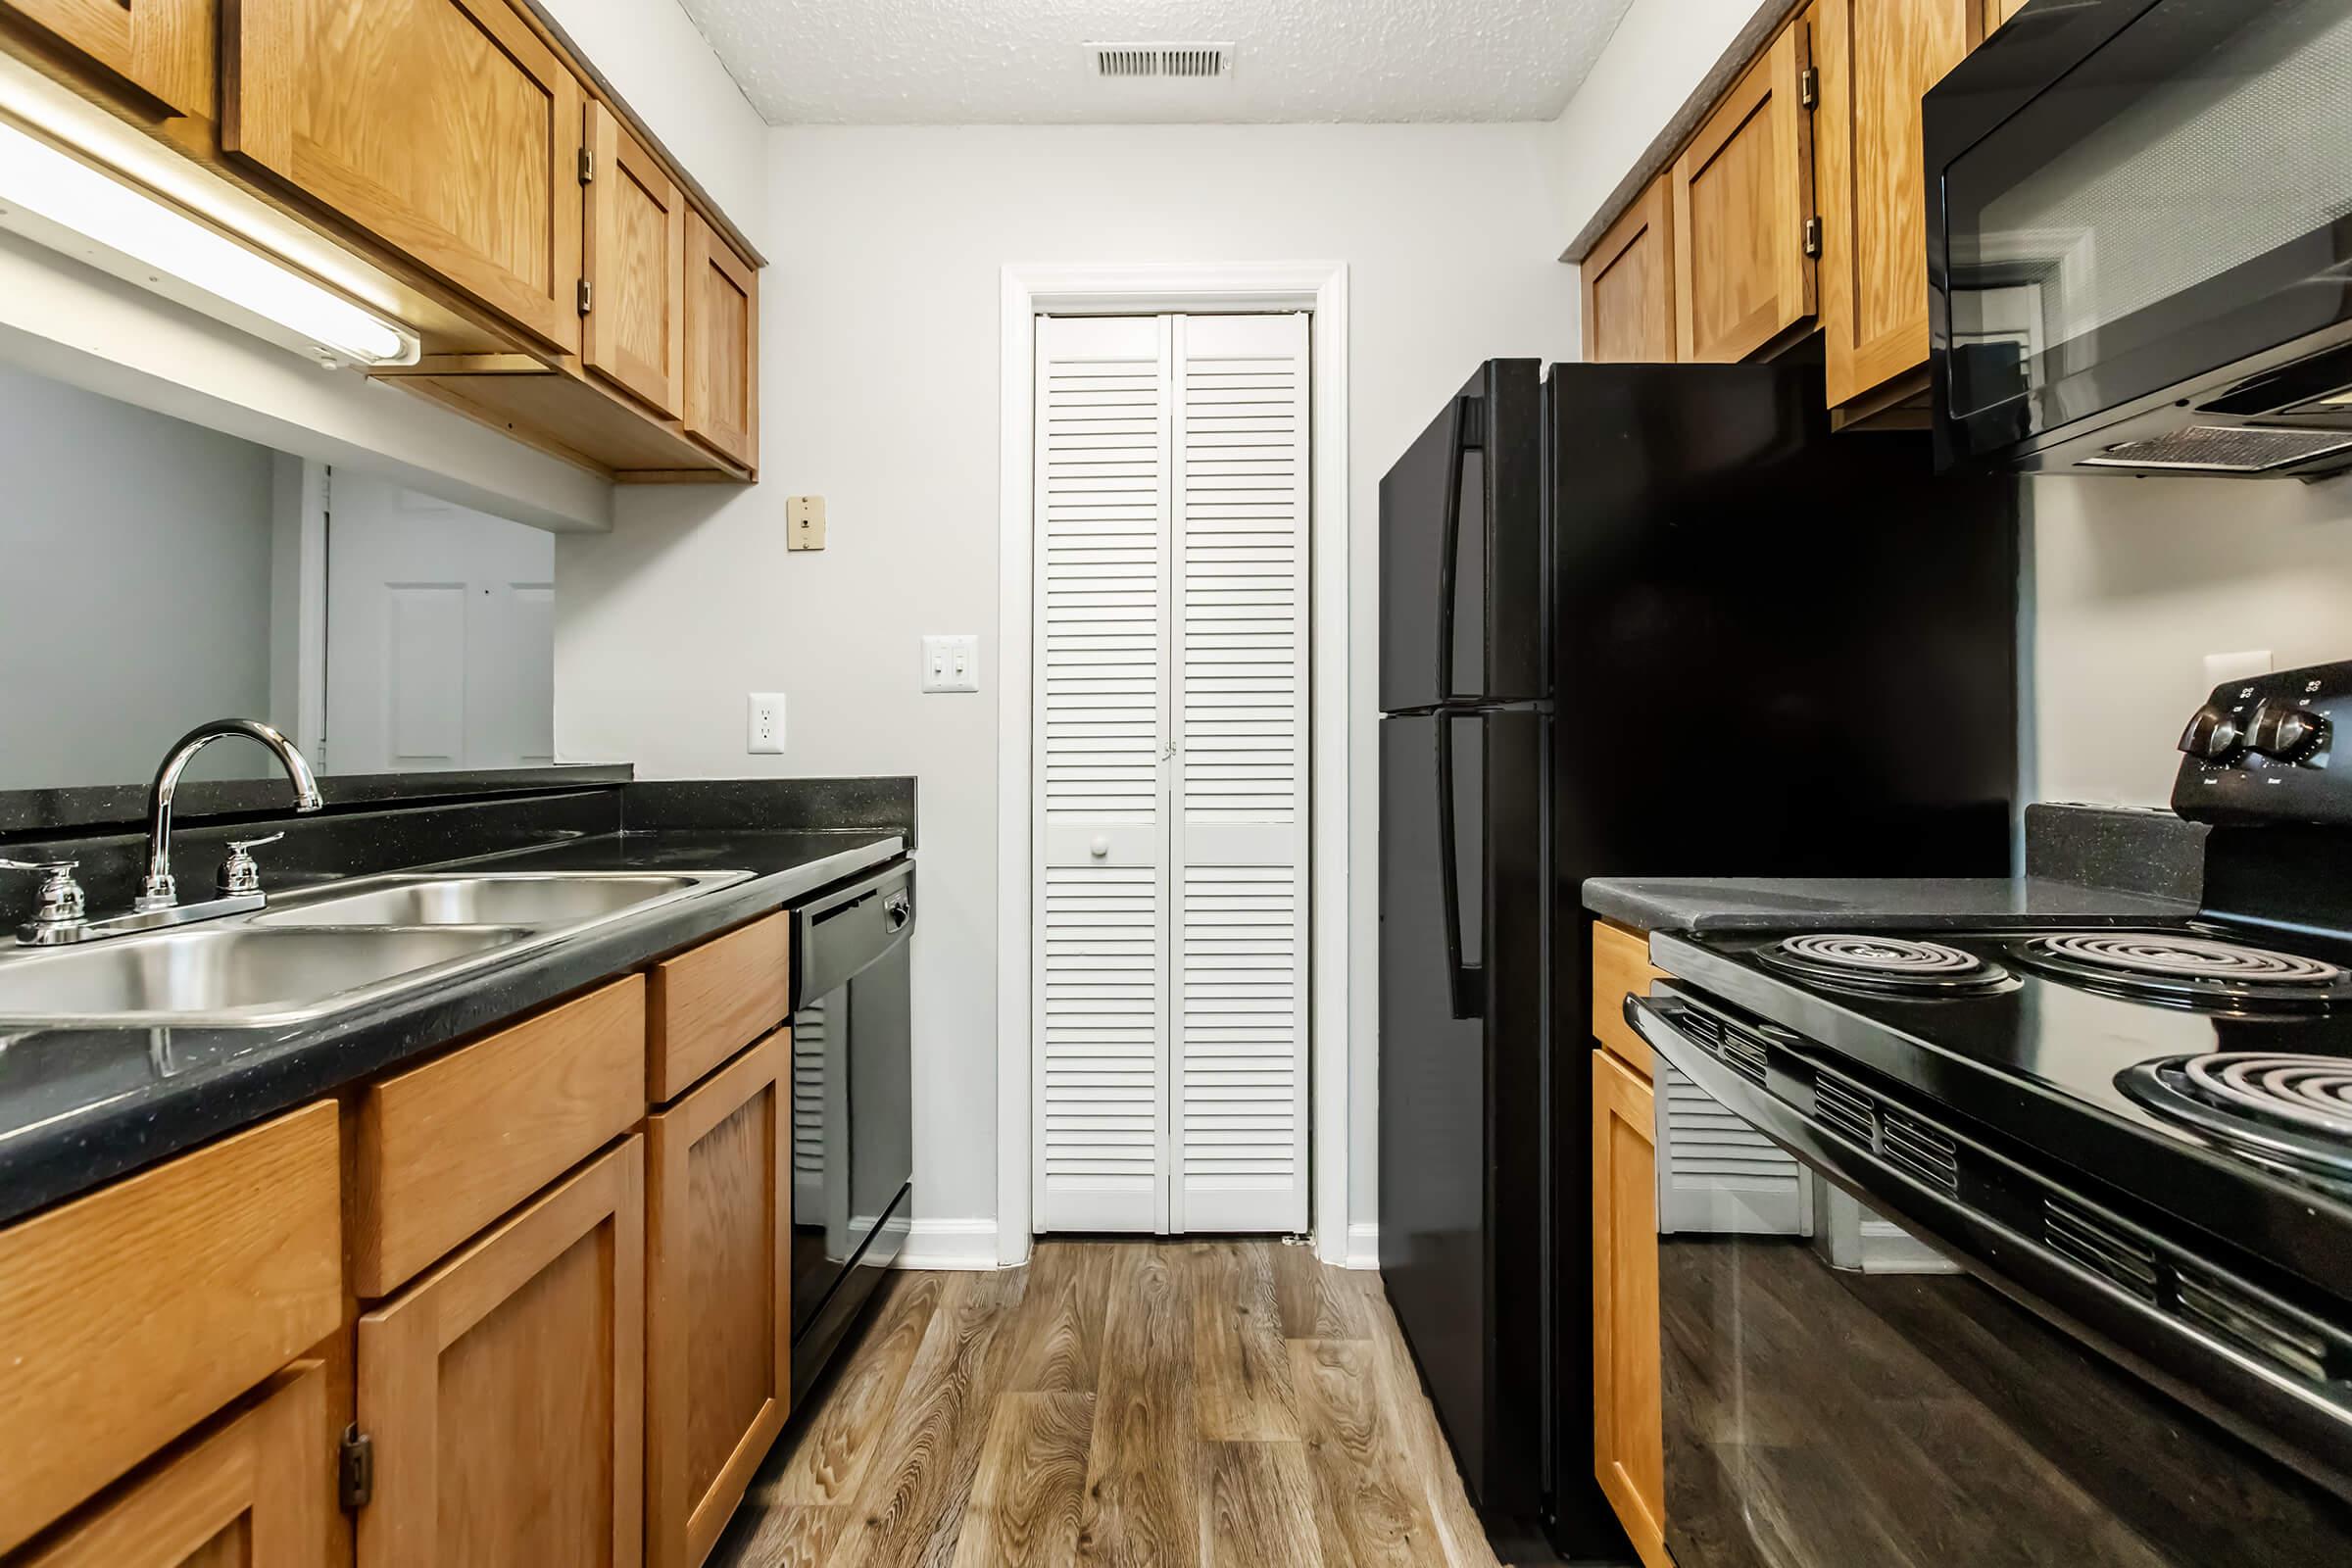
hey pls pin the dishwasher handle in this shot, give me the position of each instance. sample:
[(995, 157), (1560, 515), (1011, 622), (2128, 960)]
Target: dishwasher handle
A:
[(838, 934)]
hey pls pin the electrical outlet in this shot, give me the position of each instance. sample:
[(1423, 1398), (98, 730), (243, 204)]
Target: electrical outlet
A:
[(763, 733), (952, 664), (803, 522)]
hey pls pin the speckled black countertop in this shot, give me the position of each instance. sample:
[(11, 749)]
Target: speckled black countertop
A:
[(2098, 864), (81, 1107), (1925, 904)]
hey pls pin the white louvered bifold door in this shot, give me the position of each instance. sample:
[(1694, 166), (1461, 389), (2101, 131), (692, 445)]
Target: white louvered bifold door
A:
[(1100, 1004), (1239, 823), (1171, 761)]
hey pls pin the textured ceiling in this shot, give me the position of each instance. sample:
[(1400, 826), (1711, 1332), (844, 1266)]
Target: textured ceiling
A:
[(996, 62)]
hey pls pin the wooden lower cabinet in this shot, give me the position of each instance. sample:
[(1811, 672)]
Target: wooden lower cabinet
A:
[(503, 1392), (708, 1002), (1998, 11), (1629, 1453), (718, 1296), (251, 1492)]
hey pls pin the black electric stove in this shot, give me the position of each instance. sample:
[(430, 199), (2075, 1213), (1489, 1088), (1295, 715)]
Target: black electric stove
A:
[(2031, 1244)]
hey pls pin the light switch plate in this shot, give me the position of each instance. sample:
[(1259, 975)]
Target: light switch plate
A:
[(764, 723), (952, 664), (804, 522)]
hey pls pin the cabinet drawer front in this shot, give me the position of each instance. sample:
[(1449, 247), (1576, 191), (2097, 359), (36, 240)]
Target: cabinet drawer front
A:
[(719, 1302), (448, 129), (252, 1493), (505, 1390), (1620, 964), (133, 1313), (710, 1002), (447, 1147), (722, 346), (165, 48)]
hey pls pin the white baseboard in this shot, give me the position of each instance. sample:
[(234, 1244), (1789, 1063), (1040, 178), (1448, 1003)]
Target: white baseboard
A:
[(950, 1243), (1363, 1247)]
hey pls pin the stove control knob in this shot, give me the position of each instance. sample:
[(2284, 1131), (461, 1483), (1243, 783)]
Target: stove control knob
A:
[(2212, 735), (2282, 731)]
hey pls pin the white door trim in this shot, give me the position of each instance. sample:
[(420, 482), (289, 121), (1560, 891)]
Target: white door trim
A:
[(1319, 289)]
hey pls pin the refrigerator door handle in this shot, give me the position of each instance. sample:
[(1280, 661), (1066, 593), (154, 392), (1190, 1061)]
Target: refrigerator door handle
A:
[(1462, 438), (1463, 980)]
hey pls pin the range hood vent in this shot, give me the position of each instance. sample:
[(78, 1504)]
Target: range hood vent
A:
[(2223, 449), (1194, 62)]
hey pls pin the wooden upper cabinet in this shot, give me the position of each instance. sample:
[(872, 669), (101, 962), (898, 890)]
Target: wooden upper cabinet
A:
[(1742, 194), (633, 329), (164, 48), (1629, 283), (447, 130), (722, 346), (1877, 58), (503, 1392), (251, 1492), (1629, 1444), (718, 1296)]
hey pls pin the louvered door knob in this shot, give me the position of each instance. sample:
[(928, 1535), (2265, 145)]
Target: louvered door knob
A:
[(1100, 848)]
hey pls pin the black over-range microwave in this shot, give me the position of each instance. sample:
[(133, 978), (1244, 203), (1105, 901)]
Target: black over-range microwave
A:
[(2139, 240)]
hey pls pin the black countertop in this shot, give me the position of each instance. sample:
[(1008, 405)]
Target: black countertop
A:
[(1922, 903), (79, 1106)]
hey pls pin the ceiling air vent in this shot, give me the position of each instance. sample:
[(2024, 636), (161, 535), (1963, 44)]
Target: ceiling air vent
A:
[(1177, 61)]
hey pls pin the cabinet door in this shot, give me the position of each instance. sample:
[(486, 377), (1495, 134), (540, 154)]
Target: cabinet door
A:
[(1742, 192), (1876, 58), (161, 47), (504, 1390), (722, 346), (633, 331), (448, 129), (252, 1493), (718, 1298), (1629, 284), (1628, 1449)]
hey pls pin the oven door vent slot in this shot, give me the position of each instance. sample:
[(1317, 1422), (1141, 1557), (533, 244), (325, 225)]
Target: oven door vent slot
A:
[(2101, 1245), (2252, 1322), (1744, 1056), (1845, 1111), (1920, 1149)]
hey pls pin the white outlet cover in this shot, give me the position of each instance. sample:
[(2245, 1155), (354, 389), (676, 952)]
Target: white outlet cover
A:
[(764, 723), (2223, 668), (951, 662)]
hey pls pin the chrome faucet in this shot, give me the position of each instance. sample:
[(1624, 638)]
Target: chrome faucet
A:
[(156, 890)]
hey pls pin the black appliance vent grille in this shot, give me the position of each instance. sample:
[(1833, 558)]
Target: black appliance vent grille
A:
[(2102, 1246), (1920, 1148), (1744, 1056), (1846, 1111), (2253, 1322)]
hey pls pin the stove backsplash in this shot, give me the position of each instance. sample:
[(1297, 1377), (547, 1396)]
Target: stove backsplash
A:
[(2134, 849)]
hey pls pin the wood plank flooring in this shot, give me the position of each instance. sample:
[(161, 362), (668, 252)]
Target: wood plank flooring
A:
[(1142, 1405)]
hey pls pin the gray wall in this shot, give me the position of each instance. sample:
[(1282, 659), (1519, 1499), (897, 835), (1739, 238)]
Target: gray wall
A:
[(134, 586)]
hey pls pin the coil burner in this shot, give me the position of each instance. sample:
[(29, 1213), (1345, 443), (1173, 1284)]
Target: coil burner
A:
[(1889, 965), (2292, 1108), (2186, 971)]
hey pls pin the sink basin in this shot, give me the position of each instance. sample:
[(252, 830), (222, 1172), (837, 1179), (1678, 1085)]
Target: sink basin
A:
[(229, 975), (515, 898)]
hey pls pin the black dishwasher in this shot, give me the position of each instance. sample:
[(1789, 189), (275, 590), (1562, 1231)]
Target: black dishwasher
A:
[(852, 1104)]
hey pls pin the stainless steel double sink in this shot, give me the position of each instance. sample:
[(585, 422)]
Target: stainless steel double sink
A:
[(326, 949)]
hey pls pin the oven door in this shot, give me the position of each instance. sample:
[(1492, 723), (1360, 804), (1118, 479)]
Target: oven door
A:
[(2139, 224), (1901, 1396)]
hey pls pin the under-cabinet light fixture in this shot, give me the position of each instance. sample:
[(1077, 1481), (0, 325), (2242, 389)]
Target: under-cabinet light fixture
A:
[(58, 200)]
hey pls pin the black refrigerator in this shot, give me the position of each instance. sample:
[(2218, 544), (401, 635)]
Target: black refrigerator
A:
[(1636, 620)]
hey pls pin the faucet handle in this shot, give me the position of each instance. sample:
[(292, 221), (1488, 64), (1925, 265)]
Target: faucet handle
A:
[(240, 872), (58, 916)]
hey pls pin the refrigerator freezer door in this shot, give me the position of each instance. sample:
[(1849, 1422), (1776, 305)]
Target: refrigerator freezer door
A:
[(1461, 550)]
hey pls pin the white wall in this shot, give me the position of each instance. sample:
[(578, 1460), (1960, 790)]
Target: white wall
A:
[(879, 391), (2136, 580), (138, 557), (1664, 65)]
